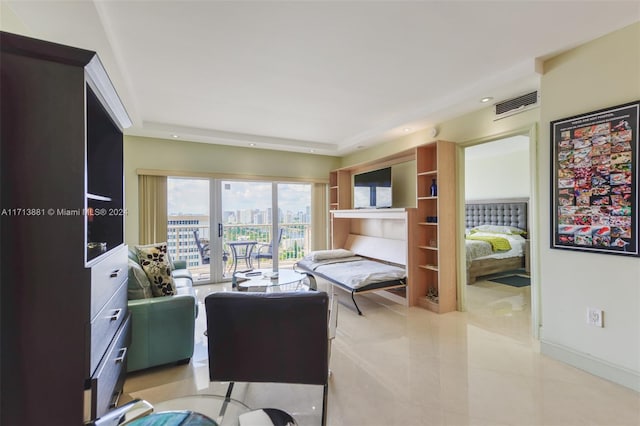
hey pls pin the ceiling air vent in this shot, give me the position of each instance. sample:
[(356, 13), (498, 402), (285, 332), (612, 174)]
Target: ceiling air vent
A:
[(516, 105)]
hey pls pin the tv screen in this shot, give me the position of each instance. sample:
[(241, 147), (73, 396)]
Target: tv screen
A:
[(372, 190)]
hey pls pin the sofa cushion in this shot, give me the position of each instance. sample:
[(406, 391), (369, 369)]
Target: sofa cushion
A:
[(182, 282), (132, 254), (139, 286), (181, 273), (154, 260)]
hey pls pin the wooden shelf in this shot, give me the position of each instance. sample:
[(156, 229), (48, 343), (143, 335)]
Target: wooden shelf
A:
[(434, 245), (340, 189), (429, 304), (429, 267), (370, 213), (98, 197)]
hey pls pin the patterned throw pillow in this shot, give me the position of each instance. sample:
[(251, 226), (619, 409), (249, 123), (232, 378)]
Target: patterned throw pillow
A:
[(154, 259), (139, 286)]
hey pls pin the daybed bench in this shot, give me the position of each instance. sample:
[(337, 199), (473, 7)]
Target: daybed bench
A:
[(365, 264)]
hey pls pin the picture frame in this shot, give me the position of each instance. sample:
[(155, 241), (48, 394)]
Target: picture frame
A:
[(594, 182)]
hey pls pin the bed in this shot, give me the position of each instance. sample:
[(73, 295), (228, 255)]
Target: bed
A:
[(365, 264), (495, 218)]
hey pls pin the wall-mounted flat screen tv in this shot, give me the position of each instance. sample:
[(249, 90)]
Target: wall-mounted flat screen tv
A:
[(372, 190)]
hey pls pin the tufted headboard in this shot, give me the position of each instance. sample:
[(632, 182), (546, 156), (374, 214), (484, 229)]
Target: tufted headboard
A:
[(496, 212)]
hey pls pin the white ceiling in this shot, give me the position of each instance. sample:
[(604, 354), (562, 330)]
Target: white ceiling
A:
[(329, 76)]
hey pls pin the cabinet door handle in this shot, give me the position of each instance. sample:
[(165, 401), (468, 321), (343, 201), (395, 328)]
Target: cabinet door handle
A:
[(114, 399), (116, 315), (114, 273), (121, 355)]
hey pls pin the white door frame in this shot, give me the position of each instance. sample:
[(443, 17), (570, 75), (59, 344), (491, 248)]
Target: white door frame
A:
[(532, 212)]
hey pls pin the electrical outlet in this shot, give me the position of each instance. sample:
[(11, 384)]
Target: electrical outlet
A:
[(594, 317)]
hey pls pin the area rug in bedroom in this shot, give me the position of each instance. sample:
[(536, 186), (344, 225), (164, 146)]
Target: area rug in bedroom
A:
[(512, 280)]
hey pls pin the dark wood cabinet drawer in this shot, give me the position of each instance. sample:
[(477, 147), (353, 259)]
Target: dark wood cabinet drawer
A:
[(106, 277), (107, 382), (105, 325)]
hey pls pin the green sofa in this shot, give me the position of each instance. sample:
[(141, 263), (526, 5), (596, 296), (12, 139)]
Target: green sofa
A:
[(162, 328)]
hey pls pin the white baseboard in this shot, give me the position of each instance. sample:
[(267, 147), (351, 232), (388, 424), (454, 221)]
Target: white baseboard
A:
[(620, 375)]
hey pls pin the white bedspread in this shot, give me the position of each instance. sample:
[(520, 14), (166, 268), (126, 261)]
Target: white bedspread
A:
[(482, 250), (355, 272)]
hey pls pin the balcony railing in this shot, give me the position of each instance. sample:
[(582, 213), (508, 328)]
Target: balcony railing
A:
[(182, 244)]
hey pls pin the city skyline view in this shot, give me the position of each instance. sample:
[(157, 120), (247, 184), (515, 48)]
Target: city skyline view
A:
[(190, 196)]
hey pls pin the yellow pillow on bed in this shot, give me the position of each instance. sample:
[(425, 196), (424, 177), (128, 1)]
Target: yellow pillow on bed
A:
[(318, 255)]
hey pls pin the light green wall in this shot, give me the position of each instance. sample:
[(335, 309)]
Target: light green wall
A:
[(183, 157), (602, 73)]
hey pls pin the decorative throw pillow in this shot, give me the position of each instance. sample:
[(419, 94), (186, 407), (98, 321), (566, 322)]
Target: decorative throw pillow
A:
[(500, 229), (154, 260), (318, 255), (171, 265), (139, 286)]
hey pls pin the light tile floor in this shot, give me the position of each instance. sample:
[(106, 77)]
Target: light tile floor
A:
[(407, 366)]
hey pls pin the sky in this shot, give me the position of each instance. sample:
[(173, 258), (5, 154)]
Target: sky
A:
[(191, 196)]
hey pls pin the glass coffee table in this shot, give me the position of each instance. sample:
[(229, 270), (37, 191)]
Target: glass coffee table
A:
[(224, 411), (265, 280)]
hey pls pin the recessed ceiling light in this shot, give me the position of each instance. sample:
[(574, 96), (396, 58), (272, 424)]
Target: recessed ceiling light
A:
[(406, 129), (486, 99), (252, 144), (175, 136), (312, 151)]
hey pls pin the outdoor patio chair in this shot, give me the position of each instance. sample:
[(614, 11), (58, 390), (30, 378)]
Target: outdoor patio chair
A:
[(265, 251)]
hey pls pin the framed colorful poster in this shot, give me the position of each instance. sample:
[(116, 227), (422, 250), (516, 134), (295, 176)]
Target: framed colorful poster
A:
[(594, 183)]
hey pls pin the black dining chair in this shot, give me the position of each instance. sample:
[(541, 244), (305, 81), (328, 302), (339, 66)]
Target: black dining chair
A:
[(269, 338)]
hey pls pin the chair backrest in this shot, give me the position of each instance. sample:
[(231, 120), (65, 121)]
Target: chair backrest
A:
[(270, 248), (203, 253), (268, 337)]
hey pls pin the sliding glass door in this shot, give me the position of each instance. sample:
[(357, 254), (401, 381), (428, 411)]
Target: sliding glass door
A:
[(247, 217), (222, 226), (265, 225), (294, 207)]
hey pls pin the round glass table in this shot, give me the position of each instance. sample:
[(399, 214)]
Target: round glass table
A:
[(263, 280), (222, 411)]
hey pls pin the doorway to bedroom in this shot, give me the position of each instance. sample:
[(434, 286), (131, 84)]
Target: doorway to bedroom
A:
[(498, 290)]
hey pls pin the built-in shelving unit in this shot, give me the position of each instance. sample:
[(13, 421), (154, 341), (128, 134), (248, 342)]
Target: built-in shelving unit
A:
[(340, 190), (431, 245), (434, 273)]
